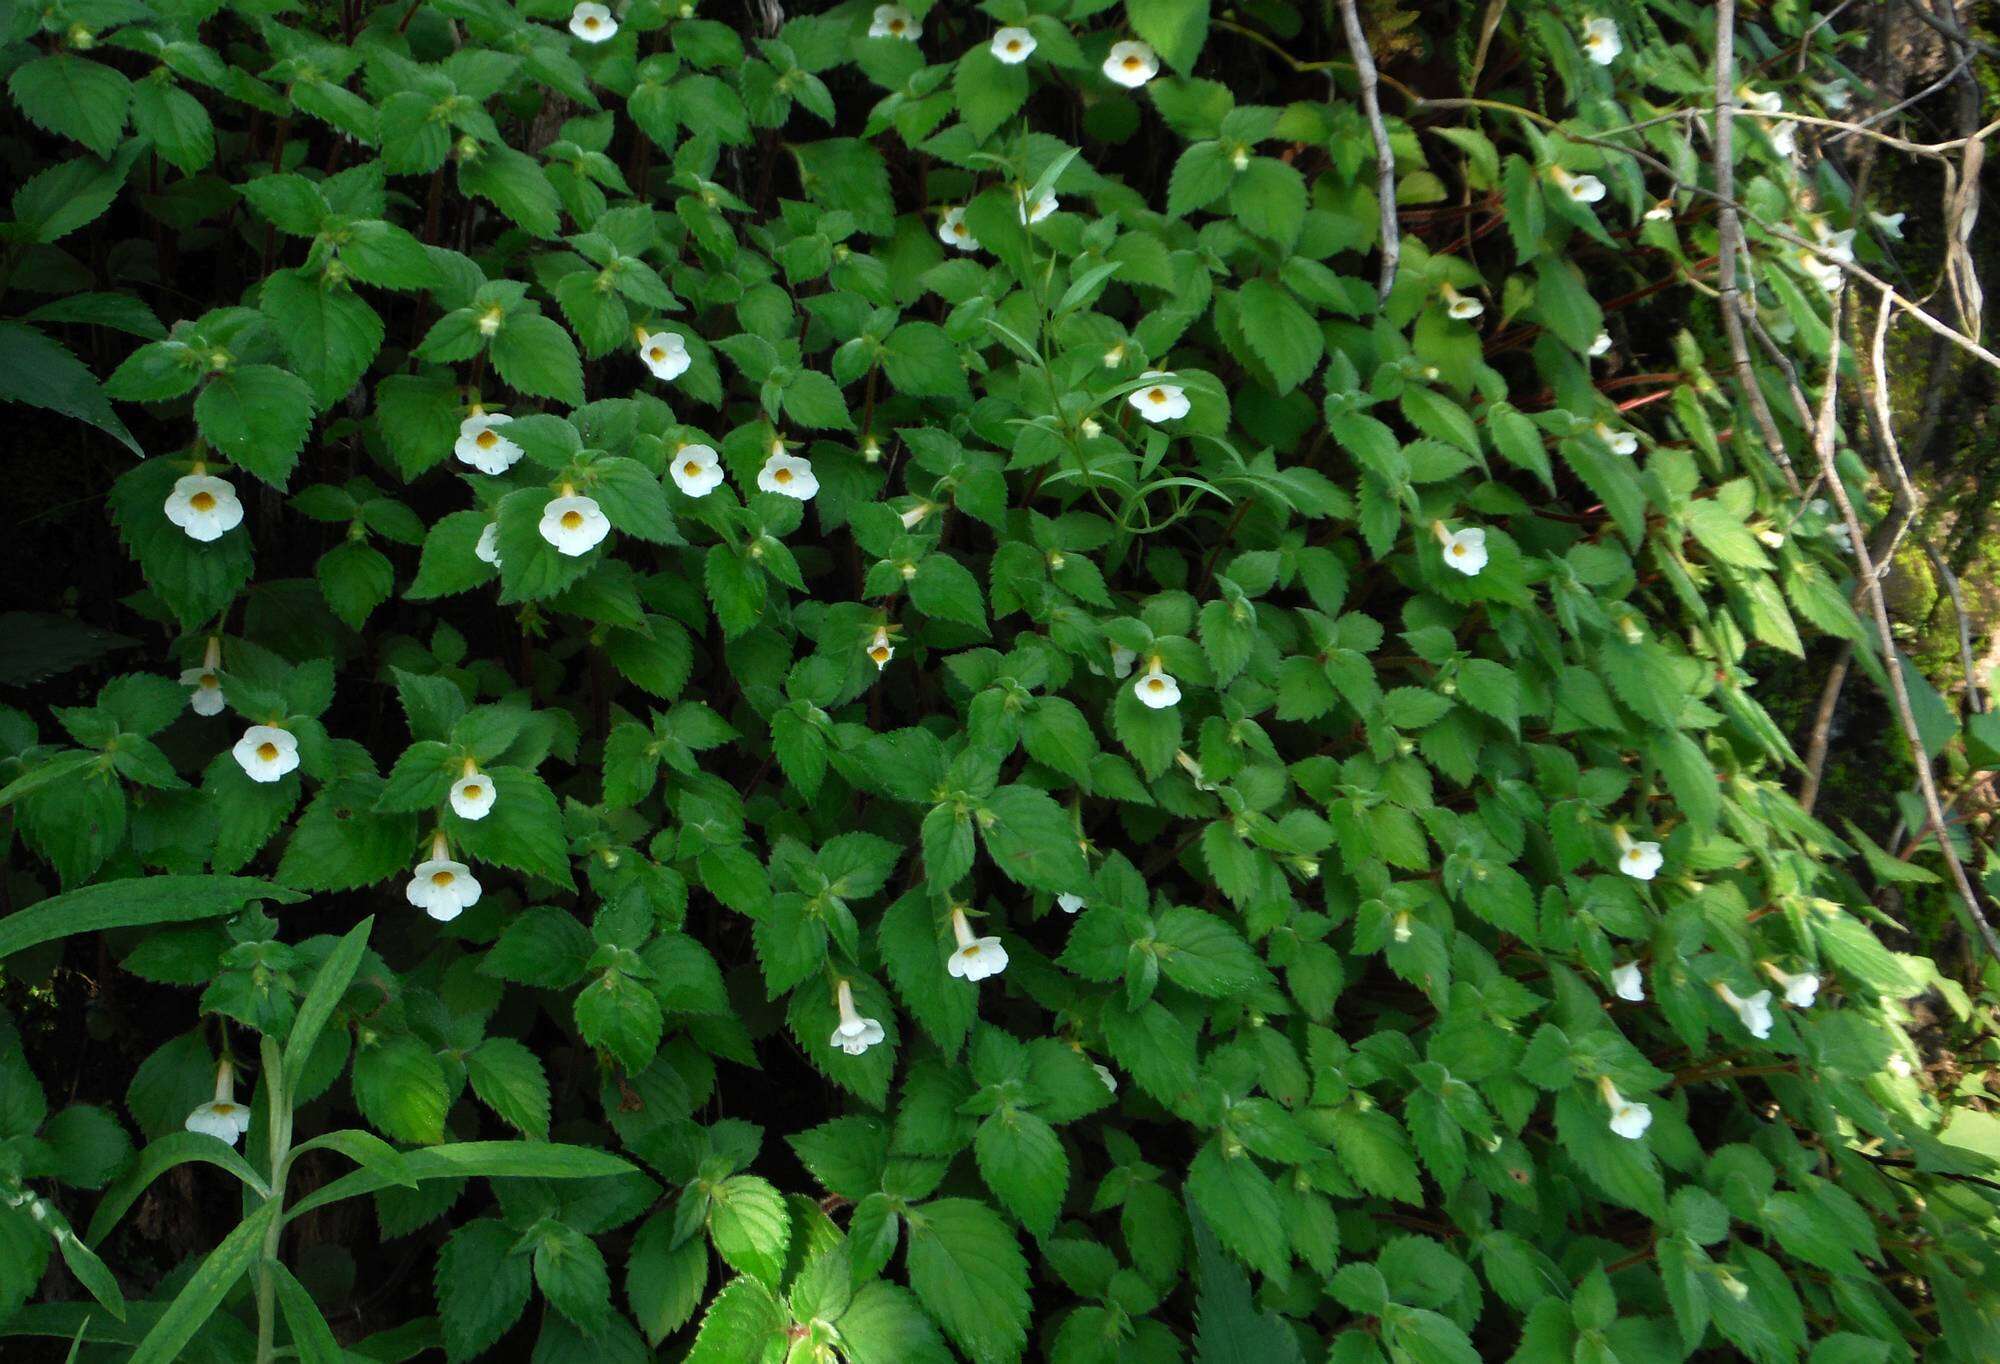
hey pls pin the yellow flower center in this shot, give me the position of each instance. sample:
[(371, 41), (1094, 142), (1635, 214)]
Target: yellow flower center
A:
[(656, 353), (896, 26), (202, 501), (207, 680), (442, 878), (781, 476), (691, 469), (1457, 548), (268, 751), (486, 440), (473, 792), (1013, 44), (590, 21), (572, 519), (880, 653), (1155, 684), (969, 950), (1131, 63), (1157, 395)]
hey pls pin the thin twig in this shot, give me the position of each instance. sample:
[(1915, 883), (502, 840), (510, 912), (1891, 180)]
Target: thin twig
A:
[(1385, 156), (1822, 726), (1729, 238), (1892, 664)]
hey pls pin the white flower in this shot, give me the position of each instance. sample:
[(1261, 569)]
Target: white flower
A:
[(441, 887), (1131, 64), (206, 698), (1640, 861), (221, 1117), (788, 474), (1068, 903), (976, 958), (1599, 344), (1629, 1120), (1754, 1012), (1627, 983), (1899, 1066), (487, 548), (1621, 442), (666, 354), (1834, 95), (1400, 929), (1460, 306), (1040, 207), (573, 524), (697, 470), (484, 448), (893, 21), (1157, 689), (1785, 138), (1104, 1074), (1772, 539), (1839, 245), (1660, 212), (952, 230), (472, 795), (1123, 660), (880, 650), (1464, 550), (916, 514), (1889, 224), (1601, 42), (266, 752), (1768, 102), (1012, 45), (592, 22), (1800, 990), (1582, 189), (204, 506), (855, 1033), (1842, 537), (1821, 271), (1159, 402)]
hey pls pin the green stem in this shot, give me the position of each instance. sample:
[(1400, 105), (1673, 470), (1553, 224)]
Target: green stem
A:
[(279, 1109)]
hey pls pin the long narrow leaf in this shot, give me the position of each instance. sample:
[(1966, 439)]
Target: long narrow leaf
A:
[(469, 1159), (335, 974), (175, 1148), (204, 1292), (134, 901), (311, 1336)]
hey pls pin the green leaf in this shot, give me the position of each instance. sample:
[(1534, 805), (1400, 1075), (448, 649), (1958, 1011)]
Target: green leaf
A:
[(328, 987), (622, 1016), (751, 1227), (1237, 1199), (743, 1325), (42, 373), (664, 1282), (508, 1079), (1175, 28), (536, 357), (970, 1275), (570, 1271), (1280, 332), (130, 903), (1032, 840), (258, 416), (73, 97), (482, 1287), (330, 334), (1023, 1163), (399, 1087)]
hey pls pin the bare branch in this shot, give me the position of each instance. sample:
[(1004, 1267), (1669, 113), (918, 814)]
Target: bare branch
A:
[(1385, 156)]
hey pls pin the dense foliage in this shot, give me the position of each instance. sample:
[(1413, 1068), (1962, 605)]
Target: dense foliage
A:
[(834, 688)]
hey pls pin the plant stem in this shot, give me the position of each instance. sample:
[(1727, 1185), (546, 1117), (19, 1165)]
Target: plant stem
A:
[(278, 1110)]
